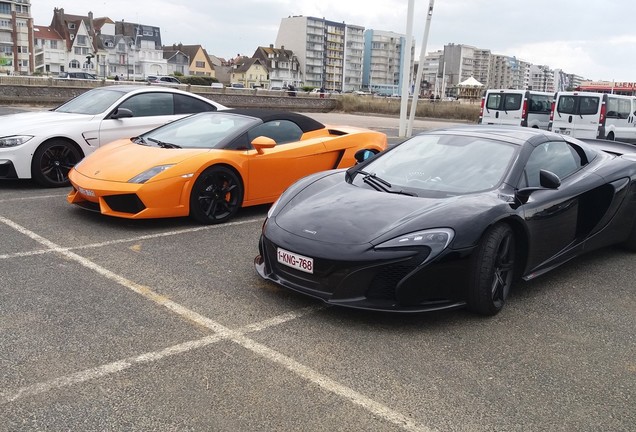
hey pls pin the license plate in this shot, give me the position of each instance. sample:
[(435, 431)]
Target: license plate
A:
[(86, 192), (563, 131), (294, 260)]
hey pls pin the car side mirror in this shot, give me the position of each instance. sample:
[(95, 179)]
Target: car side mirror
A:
[(364, 154), (121, 113), (263, 142), (547, 180)]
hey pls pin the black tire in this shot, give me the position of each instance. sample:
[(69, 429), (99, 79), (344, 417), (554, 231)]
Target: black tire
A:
[(492, 270), (216, 196), (610, 136), (52, 161), (630, 243)]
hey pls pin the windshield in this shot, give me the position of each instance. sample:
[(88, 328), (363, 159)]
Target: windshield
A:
[(205, 130), (441, 165), (92, 102)]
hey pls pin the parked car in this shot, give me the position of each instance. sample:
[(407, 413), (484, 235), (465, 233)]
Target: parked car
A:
[(162, 79), (450, 218), (45, 145), (217, 85), (77, 75), (209, 165), (516, 108), (594, 115)]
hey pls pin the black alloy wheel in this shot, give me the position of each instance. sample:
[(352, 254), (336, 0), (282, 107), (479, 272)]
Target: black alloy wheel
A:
[(52, 161), (216, 196), (492, 270)]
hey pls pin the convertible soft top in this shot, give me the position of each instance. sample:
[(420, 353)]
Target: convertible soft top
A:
[(305, 123)]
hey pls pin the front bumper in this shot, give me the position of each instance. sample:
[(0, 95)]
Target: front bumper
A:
[(389, 281), (160, 199)]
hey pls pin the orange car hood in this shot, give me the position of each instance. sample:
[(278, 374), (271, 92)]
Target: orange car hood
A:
[(122, 160)]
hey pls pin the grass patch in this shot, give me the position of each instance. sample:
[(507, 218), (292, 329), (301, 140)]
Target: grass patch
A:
[(450, 110)]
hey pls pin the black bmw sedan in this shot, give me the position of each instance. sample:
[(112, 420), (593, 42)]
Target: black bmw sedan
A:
[(450, 218)]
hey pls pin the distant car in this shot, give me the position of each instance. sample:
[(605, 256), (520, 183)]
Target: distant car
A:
[(45, 145), (236, 86), (211, 164), (77, 75), (217, 85), (450, 218), (162, 79)]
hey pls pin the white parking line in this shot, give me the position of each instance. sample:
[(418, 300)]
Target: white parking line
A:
[(120, 365), (30, 198), (305, 372), (128, 240)]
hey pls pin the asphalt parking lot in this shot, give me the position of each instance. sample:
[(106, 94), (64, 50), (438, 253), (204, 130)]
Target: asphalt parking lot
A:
[(109, 324)]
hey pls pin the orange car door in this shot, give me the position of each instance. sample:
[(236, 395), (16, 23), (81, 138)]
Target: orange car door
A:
[(275, 169)]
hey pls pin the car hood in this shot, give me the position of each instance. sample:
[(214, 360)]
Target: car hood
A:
[(121, 160), (333, 211), (32, 122)]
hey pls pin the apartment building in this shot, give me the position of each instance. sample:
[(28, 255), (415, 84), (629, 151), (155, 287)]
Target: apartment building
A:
[(328, 52), (458, 64), (49, 51), (354, 58), (508, 72), (481, 65), (16, 37), (541, 78), (384, 52)]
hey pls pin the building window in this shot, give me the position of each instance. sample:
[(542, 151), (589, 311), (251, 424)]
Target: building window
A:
[(81, 40), (54, 44), (71, 26), (5, 8), (200, 64), (74, 64)]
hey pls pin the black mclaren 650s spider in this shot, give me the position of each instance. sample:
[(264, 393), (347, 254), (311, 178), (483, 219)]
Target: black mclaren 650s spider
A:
[(450, 218)]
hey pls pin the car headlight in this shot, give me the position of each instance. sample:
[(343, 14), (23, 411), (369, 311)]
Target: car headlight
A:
[(148, 174), (435, 239), (14, 141)]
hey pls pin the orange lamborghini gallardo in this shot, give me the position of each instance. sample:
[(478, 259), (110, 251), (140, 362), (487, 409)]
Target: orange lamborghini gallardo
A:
[(210, 164)]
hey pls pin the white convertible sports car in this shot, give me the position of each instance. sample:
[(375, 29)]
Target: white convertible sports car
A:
[(45, 145)]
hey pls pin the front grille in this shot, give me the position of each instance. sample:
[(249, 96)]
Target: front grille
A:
[(7, 171), (128, 203), (384, 283)]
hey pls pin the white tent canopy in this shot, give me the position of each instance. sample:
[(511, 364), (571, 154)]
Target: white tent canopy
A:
[(470, 82)]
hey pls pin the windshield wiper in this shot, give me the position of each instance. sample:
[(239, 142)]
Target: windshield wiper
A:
[(139, 140), (381, 185), (164, 144)]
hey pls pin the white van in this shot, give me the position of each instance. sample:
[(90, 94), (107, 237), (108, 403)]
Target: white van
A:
[(594, 115), (516, 107)]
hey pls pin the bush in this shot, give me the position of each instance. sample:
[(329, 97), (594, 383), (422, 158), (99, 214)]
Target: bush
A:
[(198, 80)]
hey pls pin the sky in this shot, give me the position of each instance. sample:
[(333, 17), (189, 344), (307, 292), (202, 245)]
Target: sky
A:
[(596, 40)]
